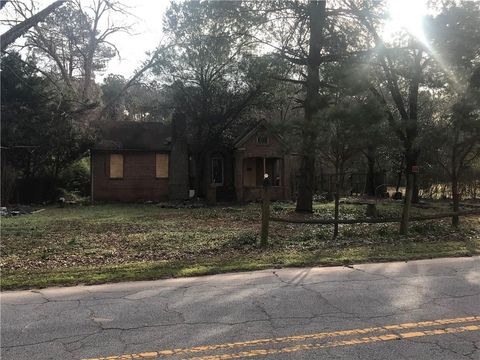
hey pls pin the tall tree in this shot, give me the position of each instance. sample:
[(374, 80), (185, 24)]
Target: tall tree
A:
[(402, 74), (39, 134), (141, 101), (73, 43), (455, 43), (211, 69), (316, 19), (299, 28), (310, 35), (352, 94), (457, 134), (340, 142)]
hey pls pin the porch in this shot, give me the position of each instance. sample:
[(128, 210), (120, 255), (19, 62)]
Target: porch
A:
[(250, 174)]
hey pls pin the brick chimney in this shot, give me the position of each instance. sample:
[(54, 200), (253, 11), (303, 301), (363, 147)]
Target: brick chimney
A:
[(178, 177)]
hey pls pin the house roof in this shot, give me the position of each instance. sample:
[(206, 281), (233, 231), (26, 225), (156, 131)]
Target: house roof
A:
[(261, 125), (154, 136), (132, 135)]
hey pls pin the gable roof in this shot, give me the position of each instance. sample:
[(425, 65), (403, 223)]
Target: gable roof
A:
[(132, 135), (262, 124)]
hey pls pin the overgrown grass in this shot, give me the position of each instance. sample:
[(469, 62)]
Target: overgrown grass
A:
[(93, 244)]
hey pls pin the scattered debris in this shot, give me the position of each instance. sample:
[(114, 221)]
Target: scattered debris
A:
[(62, 201), (232, 209), (181, 205), (15, 210)]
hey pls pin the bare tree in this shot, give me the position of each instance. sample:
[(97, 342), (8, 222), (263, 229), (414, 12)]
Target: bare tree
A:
[(74, 42), (21, 28), (96, 11)]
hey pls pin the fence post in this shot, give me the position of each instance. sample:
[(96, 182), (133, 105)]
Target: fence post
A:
[(265, 212)]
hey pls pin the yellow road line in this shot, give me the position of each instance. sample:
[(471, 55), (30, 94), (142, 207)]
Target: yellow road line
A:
[(278, 340), (364, 340)]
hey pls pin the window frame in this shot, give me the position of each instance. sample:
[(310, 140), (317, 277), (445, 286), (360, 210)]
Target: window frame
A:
[(263, 136)]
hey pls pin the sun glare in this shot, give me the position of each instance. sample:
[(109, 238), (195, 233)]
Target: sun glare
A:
[(406, 15)]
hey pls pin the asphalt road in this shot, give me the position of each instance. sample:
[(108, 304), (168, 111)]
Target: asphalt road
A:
[(418, 310)]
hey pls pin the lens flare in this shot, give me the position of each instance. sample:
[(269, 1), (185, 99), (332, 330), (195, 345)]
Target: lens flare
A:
[(406, 15)]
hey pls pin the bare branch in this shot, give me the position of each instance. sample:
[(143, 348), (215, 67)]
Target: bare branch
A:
[(18, 30)]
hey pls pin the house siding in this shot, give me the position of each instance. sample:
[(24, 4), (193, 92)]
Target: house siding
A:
[(139, 182), (242, 165), (274, 148), (246, 184), (226, 190)]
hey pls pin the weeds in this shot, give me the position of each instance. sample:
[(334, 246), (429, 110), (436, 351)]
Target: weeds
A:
[(93, 237)]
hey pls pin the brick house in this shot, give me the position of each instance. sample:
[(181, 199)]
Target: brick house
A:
[(151, 161)]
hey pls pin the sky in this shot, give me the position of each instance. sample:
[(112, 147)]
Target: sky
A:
[(147, 23)]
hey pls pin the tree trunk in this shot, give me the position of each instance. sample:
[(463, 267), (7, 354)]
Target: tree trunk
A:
[(306, 183), (399, 180), (92, 47), (410, 161), (337, 205), (309, 136), (411, 134), (88, 66), (456, 200), (407, 205), (415, 190)]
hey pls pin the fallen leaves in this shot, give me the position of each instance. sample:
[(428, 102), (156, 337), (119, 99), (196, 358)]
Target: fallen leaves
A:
[(120, 234)]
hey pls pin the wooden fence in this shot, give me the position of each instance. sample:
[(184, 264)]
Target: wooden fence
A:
[(266, 218)]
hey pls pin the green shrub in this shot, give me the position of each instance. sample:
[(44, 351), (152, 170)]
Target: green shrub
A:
[(76, 178)]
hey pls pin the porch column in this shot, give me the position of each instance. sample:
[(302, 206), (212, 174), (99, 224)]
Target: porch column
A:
[(238, 182)]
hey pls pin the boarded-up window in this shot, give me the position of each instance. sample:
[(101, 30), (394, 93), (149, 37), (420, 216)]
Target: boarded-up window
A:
[(161, 166), (116, 166)]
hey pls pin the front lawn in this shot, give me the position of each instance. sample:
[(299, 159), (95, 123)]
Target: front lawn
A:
[(92, 244)]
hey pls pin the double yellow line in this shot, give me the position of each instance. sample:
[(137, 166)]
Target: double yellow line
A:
[(395, 334)]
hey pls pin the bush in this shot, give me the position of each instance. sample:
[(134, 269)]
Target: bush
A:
[(76, 178)]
